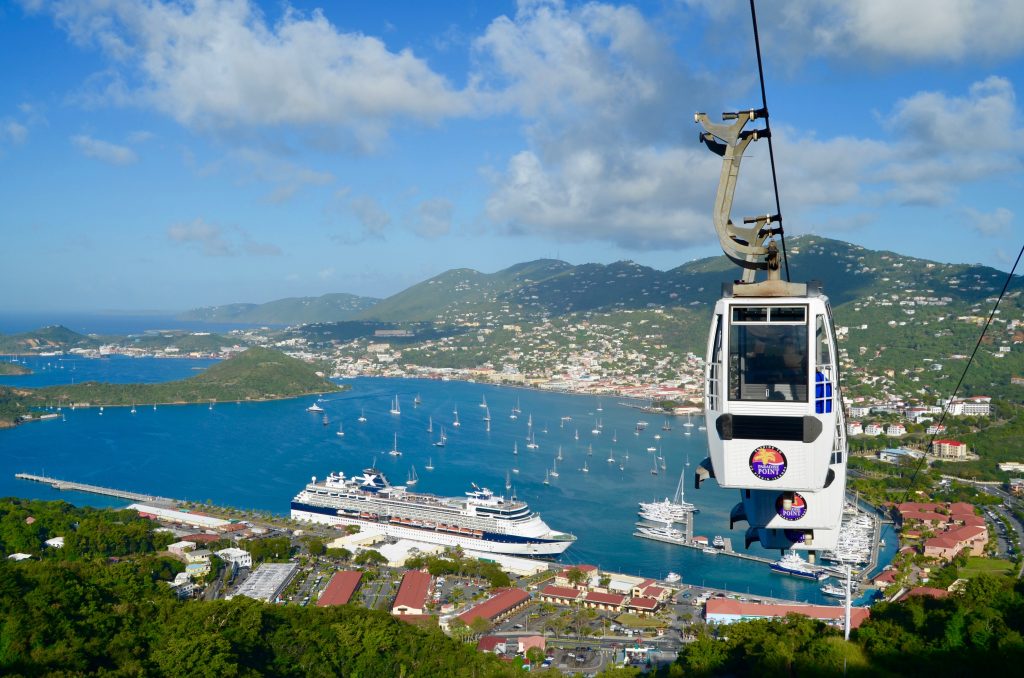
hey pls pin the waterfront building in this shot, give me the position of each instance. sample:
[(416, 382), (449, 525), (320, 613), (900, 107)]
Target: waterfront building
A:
[(560, 595), (727, 611), (179, 517), (340, 589), (950, 543), (590, 571)]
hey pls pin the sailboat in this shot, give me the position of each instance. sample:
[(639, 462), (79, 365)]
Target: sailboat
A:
[(487, 413), (554, 471), (362, 416), (394, 450), (627, 455), (515, 411), (483, 401), (559, 457), (577, 434), (508, 481), (132, 411), (667, 426), (597, 428), (515, 448), (689, 421), (395, 408), (456, 423), (325, 420), (413, 479), (341, 431), (531, 442), (430, 424), (654, 469), (430, 464), (442, 439), (547, 481), (515, 469), (586, 468), (487, 425), (154, 406), (611, 456), (615, 436), (599, 408), (417, 401)]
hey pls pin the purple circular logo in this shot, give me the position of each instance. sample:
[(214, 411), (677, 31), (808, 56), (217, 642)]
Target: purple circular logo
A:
[(768, 462), (796, 536), (791, 508)]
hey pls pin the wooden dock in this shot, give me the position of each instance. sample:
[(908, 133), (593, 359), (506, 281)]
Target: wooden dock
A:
[(59, 484)]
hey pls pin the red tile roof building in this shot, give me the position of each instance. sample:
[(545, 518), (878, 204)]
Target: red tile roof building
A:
[(589, 571), (340, 589), (727, 611), (642, 605), (950, 543), (497, 606), (562, 595), (927, 591), (412, 593), (604, 601)]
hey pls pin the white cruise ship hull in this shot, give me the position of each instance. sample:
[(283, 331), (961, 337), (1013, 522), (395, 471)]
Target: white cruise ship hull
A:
[(488, 543)]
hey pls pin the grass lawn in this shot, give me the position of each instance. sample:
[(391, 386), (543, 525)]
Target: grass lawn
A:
[(976, 566), (637, 622)]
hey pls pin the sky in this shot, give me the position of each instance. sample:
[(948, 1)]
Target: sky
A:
[(166, 155)]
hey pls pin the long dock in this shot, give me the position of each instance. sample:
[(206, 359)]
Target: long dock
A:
[(59, 484)]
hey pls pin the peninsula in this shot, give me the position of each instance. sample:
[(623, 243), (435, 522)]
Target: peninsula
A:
[(253, 374), (13, 369)]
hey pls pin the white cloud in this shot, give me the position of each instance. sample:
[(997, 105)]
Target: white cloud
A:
[(12, 132), (213, 241), (997, 222), (221, 65), (434, 218), (287, 178), (104, 150), (370, 215), (879, 31)]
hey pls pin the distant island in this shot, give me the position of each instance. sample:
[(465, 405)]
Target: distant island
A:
[(13, 370), (253, 374)]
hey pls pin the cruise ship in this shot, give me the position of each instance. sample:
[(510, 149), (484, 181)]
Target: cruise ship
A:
[(479, 521)]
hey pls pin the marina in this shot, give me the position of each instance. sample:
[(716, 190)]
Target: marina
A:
[(255, 456)]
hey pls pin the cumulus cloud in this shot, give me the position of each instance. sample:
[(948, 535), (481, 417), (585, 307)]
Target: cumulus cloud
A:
[(214, 241), (221, 65), (104, 150)]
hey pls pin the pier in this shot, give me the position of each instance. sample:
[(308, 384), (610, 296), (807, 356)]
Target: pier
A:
[(58, 484)]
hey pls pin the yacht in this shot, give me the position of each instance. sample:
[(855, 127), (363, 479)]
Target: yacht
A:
[(312, 408), (792, 564), (395, 408), (394, 449)]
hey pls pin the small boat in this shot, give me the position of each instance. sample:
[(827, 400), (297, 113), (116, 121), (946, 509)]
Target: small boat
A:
[(154, 406), (442, 439), (101, 410), (325, 420), (312, 408), (709, 550), (430, 424), (483, 401), (132, 411), (615, 436), (672, 578), (394, 449), (508, 481), (667, 426), (654, 469), (417, 401), (412, 479), (554, 471), (362, 416), (652, 448), (559, 457), (515, 448), (689, 422), (585, 469), (547, 481), (599, 408), (487, 413), (456, 423), (430, 464), (341, 431), (515, 469), (577, 434), (395, 407), (611, 457)]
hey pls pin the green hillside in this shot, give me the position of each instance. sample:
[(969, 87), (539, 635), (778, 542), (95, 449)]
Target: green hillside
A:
[(52, 338), (290, 311), (255, 374)]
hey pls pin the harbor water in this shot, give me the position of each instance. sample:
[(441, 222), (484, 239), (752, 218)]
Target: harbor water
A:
[(258, 455)]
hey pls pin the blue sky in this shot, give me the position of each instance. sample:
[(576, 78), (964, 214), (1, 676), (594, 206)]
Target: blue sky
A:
[(167, 155)]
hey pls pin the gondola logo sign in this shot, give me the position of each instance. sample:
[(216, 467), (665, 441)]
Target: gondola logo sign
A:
[(768, 462), (791, 508)]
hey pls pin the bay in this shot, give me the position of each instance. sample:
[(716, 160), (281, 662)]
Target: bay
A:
[(258, 455)]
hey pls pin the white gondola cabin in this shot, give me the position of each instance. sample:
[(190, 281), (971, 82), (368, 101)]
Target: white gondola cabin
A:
[(772, 405)]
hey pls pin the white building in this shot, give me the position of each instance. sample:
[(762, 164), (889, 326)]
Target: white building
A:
[(181, 547), (234, 556), (895, 430), (873, 430), (854, 428)]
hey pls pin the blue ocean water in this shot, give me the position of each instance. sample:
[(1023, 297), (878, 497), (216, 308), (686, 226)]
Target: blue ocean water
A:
[(258, 455)]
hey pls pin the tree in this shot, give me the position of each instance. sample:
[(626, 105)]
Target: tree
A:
[(480, 625), (369, 557), (576, 576), (535, 655)]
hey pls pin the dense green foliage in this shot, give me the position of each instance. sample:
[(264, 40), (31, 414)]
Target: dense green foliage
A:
[(255, 374), (52, 338), (976, 632), (78, 611), (456, 564)]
